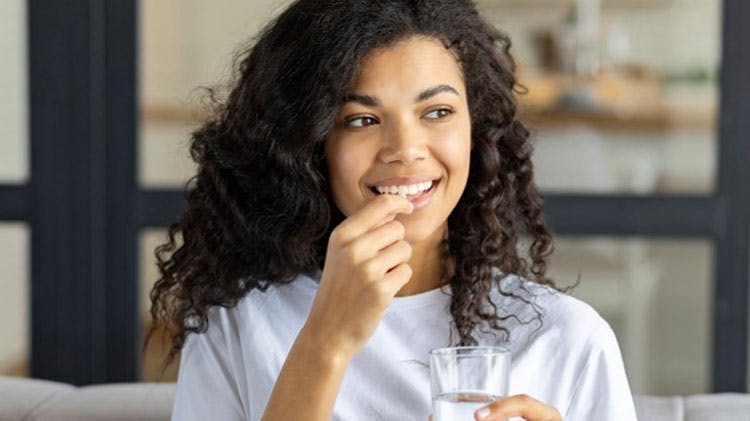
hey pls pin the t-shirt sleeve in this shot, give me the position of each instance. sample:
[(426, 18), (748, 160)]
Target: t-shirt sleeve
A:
[(206, 385), (601, 391)]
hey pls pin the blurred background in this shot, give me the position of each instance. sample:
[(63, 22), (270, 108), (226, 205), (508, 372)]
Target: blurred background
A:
[(623, 100)]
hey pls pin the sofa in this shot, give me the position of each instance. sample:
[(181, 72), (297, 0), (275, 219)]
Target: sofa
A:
[(41, 400)]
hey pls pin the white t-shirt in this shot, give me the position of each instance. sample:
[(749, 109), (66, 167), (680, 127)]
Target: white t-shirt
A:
[(572, 362)]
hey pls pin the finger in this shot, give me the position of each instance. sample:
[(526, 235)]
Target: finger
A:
[(519, 406), (397, 278), (392, 256), (371, 215), (388, 218), (370, 244)]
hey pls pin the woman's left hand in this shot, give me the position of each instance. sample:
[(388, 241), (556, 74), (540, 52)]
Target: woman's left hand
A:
[(523, 406)]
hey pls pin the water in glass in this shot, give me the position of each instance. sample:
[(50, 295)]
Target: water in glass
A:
[(460, 406)]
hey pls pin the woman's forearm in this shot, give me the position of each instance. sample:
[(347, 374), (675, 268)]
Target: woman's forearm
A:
[(309, 381)]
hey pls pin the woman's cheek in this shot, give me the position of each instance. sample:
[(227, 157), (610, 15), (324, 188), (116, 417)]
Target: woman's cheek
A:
[(348, 165), (456, 150)]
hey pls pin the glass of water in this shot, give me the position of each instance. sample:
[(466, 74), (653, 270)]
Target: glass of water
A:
[(465, 378)]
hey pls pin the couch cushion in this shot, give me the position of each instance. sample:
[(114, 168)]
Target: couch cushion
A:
[(134, 401), (20, 396), (718, 407), (659, 408)]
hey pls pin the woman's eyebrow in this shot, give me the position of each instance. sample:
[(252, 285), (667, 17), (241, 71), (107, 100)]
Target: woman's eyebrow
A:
[(371, 101), (430, 92), (367, 100)]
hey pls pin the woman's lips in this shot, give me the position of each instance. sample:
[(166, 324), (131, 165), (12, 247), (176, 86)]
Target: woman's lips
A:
[(419, 200), (403, 181)]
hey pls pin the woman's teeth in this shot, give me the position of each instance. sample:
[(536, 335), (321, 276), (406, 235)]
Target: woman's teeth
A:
[(405, 190)]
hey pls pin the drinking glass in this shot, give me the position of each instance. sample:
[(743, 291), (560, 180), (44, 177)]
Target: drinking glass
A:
[(465, 378)]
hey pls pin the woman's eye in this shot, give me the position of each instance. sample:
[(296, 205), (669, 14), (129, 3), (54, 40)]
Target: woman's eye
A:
[(361, 121), (439, 113)]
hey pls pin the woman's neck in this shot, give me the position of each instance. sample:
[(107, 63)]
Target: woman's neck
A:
[(426, 265)]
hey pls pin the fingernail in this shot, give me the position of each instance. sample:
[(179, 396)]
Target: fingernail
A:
[(481, 413)]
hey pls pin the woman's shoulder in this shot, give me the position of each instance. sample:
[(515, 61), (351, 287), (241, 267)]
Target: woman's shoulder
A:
[(544, 311), (271, 302)]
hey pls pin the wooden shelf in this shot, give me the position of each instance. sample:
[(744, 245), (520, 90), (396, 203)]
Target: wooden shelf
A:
[(535, 4), (172, 113), (658, 120), (612, 101)]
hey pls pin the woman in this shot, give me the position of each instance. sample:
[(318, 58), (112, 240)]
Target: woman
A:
[(360, 200)]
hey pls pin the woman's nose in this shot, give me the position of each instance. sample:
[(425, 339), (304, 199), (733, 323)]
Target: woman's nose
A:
[(402, 143)]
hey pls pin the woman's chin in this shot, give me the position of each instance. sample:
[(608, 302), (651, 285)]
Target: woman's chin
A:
[(417, 234)]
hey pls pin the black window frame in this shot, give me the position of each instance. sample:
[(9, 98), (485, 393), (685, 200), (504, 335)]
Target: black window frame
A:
[(85, 209)]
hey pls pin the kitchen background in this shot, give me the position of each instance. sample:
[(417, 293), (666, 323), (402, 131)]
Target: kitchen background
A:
[(622, 97)]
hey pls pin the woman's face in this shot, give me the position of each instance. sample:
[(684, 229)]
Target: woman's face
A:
[(405, 128)]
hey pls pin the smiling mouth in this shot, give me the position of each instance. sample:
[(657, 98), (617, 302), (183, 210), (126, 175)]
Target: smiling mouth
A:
[(400, 190)]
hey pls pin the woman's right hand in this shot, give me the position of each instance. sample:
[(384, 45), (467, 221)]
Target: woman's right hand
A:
[(366, 264)]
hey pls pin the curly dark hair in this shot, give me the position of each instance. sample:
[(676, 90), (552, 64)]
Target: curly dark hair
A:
[(260, 210)]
